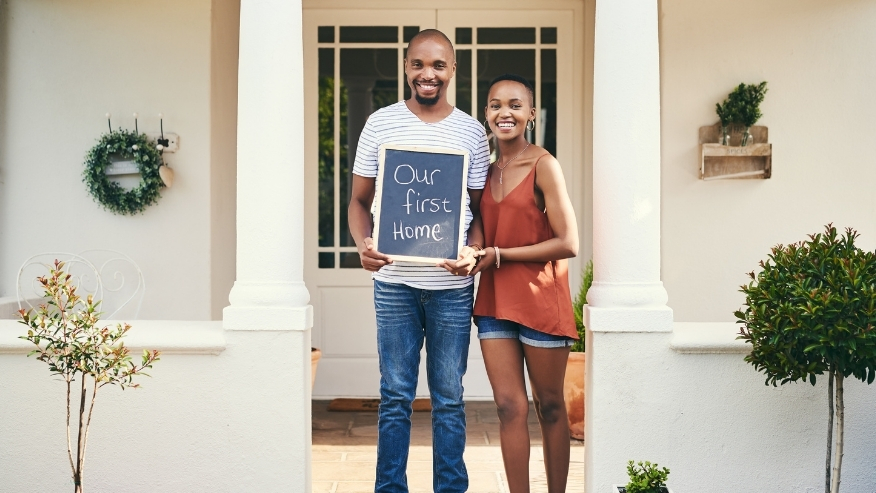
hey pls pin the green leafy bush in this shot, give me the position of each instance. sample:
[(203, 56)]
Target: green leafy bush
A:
[(646, 477), (578, 306), (811, 310)]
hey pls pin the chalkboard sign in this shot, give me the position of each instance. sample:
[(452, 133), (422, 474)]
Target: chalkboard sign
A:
[(420, 203)]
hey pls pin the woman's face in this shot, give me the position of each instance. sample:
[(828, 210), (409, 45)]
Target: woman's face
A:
[(509, 109)]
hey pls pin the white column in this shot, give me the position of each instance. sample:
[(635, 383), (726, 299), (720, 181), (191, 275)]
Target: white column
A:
[(626, 158), (627, 296), (269, 315), (269, 293)]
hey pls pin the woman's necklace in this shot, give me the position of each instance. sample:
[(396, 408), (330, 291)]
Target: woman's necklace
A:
[(502, 168)]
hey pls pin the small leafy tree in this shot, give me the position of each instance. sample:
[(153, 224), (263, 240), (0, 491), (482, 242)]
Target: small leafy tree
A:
[(811, 310), (578, 306), (66, 332), (646, 477)]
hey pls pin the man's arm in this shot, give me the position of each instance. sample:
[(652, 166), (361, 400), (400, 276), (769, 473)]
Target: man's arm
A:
[(359, 220), (466, 261)]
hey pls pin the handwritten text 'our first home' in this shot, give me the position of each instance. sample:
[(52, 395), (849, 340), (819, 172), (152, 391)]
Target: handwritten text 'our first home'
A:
[(405, 174)]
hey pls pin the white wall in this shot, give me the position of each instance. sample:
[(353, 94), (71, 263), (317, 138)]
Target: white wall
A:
[(64, 65), (217, 415), (223, 150), (819, 59), (710, 419)]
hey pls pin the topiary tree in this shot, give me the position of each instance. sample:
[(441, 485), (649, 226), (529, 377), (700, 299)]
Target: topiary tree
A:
[(811, 311)]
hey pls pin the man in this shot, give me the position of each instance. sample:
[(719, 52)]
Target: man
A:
[(419, 302)]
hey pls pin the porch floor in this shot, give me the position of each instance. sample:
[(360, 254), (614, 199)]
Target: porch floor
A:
[(345, 452)]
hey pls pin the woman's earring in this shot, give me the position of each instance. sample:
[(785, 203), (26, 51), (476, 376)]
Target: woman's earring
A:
[(486, 126), (532, 127)]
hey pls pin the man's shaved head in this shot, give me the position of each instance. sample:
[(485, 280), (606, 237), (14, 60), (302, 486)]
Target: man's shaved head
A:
[(434, 35)]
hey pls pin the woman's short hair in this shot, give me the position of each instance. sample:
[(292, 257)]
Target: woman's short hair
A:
[(515, 78)]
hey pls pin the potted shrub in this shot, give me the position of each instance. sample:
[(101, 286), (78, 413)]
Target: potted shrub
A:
[(68, 338), (645, 478), (741, 107), (573, 386), (811, 311)]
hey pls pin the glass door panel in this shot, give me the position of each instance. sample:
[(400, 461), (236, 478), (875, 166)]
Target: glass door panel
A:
[(529, 44), (358, 57), (352, 67)]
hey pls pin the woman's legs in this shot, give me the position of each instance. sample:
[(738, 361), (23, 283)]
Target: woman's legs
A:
[(547, 369), (504, 361)]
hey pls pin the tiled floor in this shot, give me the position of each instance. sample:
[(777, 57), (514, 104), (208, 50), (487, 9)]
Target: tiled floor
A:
[(345, 452)]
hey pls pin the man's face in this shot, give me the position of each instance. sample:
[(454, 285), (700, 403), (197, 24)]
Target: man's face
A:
[(429, 66)]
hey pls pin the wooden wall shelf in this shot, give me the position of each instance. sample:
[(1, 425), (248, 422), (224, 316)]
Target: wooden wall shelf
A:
[(717, 161)]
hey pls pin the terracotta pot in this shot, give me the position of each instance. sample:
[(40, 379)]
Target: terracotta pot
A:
[(315, 354), (573, 392)]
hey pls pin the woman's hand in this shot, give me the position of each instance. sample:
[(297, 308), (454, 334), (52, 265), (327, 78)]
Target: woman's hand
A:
[(464, 264), (487, 259)]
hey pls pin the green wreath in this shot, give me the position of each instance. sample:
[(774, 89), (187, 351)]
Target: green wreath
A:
[(125, 145)]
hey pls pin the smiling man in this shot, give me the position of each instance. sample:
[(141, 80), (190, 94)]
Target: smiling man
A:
[(419, 304)]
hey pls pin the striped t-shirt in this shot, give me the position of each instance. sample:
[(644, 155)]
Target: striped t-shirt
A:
[(395, 124)]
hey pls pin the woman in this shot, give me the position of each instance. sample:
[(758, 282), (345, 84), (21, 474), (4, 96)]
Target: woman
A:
[(523, 308)]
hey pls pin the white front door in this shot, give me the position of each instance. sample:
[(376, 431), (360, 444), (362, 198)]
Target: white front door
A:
[(353, 66)]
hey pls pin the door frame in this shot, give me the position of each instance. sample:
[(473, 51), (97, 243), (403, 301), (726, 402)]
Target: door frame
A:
[(576, 154)]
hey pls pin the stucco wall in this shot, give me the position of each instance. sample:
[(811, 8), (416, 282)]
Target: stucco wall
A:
[(223, 151), (64, 65), (709, 417), (820, 61), (220, 414)]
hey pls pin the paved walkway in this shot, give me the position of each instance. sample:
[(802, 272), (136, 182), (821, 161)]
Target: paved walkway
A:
[(345, 452)]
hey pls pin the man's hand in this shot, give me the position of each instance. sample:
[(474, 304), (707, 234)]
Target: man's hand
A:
[(371, 259), (464, 264)]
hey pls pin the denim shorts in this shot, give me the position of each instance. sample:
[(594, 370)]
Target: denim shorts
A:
[(494, 328)]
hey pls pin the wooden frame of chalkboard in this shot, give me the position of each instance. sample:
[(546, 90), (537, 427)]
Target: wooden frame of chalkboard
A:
[(420, 197)]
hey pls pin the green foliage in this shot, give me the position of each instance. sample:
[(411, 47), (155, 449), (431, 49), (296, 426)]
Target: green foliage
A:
[(124, 145), (726, 112), (384, 93), (742, 106), (646, 477), (69, 339), (812, 309), (750, 96), (327, 156), (578, 306)]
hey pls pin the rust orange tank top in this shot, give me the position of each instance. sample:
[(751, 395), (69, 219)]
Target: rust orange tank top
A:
[(534, 294)]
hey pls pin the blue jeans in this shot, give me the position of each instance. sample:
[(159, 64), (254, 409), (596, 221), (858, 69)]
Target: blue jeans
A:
[(406, 317)]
